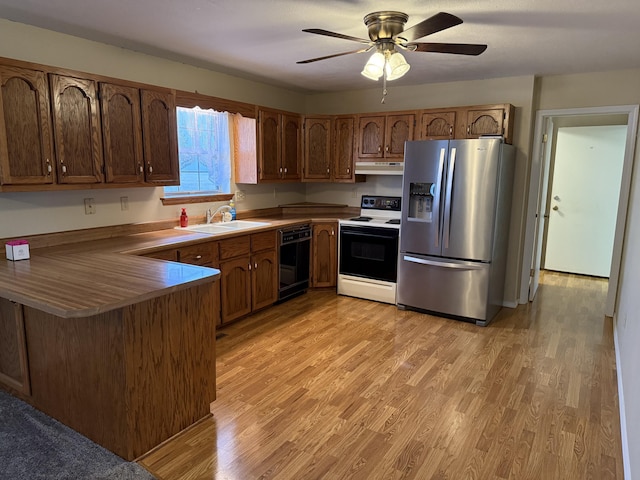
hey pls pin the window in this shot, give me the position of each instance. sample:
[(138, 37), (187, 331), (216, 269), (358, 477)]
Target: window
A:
[(204, 148)]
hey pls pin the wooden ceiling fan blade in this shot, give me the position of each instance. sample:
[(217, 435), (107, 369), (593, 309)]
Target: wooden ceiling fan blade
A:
[(438, 22), (327, 33), (454, 48), (362, 50)]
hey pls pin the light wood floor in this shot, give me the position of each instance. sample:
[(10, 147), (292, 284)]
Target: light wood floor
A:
[(330, 387)]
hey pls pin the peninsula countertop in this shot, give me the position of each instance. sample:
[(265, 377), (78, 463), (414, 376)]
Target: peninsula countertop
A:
[(91, 277)]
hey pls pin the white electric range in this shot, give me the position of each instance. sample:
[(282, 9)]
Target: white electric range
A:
[(368, 250)]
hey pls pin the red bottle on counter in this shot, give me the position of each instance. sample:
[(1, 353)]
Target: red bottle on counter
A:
[(184, 220)]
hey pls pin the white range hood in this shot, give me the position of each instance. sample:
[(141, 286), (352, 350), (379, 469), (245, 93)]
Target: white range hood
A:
[(379, 168)]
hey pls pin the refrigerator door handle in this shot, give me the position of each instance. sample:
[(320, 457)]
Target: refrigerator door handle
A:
[(459, 266), (447, 200), (443, 152)]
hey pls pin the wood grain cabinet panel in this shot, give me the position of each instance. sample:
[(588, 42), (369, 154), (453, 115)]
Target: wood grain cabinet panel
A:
[(14, 366), (122, 133), (26, 141), (249, 274), (279, 146), (291, 147), (160, 137), (324, 255), (383, 136), (437, 125), (171, 255), (77, 130), (329, 149), (317, 148), (205, 255), (344, 148), (473, 122)]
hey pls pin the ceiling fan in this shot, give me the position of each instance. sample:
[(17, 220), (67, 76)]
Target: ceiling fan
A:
[(387, 35)]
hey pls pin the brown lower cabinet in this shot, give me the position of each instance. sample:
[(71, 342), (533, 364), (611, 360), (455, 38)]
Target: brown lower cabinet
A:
[(324, 255), (14, 369), (249, 274)]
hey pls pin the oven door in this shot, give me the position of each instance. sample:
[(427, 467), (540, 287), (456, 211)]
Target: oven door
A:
[(369, 252)]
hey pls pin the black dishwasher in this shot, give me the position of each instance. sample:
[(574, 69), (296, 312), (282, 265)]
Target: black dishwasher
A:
[(295, 248)]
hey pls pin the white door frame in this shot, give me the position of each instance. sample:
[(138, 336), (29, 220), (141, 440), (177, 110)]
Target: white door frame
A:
[(535, 179)]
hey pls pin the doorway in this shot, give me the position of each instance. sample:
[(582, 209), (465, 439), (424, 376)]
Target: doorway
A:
[(547, 124)]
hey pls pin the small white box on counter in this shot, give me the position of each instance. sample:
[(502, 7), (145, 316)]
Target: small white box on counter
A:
[(17, 250)]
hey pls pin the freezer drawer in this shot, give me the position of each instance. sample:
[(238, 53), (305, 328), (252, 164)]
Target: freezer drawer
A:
[(449, 287)]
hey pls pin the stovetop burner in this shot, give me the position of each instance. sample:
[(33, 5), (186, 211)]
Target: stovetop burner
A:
[(394, 221)]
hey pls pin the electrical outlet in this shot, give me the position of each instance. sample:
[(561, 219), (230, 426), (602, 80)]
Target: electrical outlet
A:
[(124, 203), (240, 195), (89, 206)]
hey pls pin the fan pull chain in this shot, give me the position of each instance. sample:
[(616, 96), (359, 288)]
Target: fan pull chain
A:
[(384, 86)]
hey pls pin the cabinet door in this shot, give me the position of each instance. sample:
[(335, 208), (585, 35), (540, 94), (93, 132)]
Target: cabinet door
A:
[(399, 129), (317, 149), (345, 143), (76, 128), (324, 255), (14, 368), (269, 145), (485, 122), (235, 285), (371, 137), (264, 279), (26, 147), (437, 125), (160, 137), (291, 147), (121, 133)]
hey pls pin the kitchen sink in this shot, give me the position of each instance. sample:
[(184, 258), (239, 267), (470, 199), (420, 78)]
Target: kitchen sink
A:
[(224, 227)]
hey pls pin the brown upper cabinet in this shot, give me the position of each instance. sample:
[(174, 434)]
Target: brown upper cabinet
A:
[(279, 146), (122, 133), (329, 149), (26, 143), (63, 129), (76, 128), (160, 137), (437, 125), (383, 136), (468, 122)]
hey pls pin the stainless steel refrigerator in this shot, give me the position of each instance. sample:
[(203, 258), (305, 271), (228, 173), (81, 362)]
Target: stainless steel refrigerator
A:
[(456, 203)]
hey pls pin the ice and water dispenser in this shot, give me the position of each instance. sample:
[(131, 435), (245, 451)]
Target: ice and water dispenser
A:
[(421, 202)]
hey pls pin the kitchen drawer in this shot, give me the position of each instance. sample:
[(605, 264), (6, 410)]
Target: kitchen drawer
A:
[(263, 241), (204, 254), (164, 255), (235, 247)]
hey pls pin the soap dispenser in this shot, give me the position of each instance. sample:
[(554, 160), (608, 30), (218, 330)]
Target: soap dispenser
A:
[(184, 219), (232, 208)]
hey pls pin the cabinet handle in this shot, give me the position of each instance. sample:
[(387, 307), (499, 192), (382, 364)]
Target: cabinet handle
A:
[(451, 130), (333, 232), (198, 257), (386, 149), (140, 168), (348, 170), (48, 167), (150, 168), (379, 148), (249, 266), (285, 169), (64, 168), (468, 129), (280, 169), (327, 170), (255, 266)]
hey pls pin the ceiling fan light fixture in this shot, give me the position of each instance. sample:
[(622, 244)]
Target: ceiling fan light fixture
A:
[(374, 68), (396, 66)]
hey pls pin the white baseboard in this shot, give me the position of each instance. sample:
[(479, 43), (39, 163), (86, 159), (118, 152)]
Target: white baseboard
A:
[(509, 304), (623, 419)]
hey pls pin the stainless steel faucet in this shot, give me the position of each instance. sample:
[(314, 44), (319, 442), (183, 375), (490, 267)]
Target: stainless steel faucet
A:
[(210, 215)]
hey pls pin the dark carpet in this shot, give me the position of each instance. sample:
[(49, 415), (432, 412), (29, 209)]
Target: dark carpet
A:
[(35, 446)]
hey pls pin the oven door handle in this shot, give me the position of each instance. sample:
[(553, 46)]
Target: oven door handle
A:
[(369, 235)]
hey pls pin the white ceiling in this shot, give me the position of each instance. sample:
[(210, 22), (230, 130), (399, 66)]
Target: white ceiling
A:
[(263, 39)]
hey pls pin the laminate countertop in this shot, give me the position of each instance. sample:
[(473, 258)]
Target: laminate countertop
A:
[(91, 277)]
